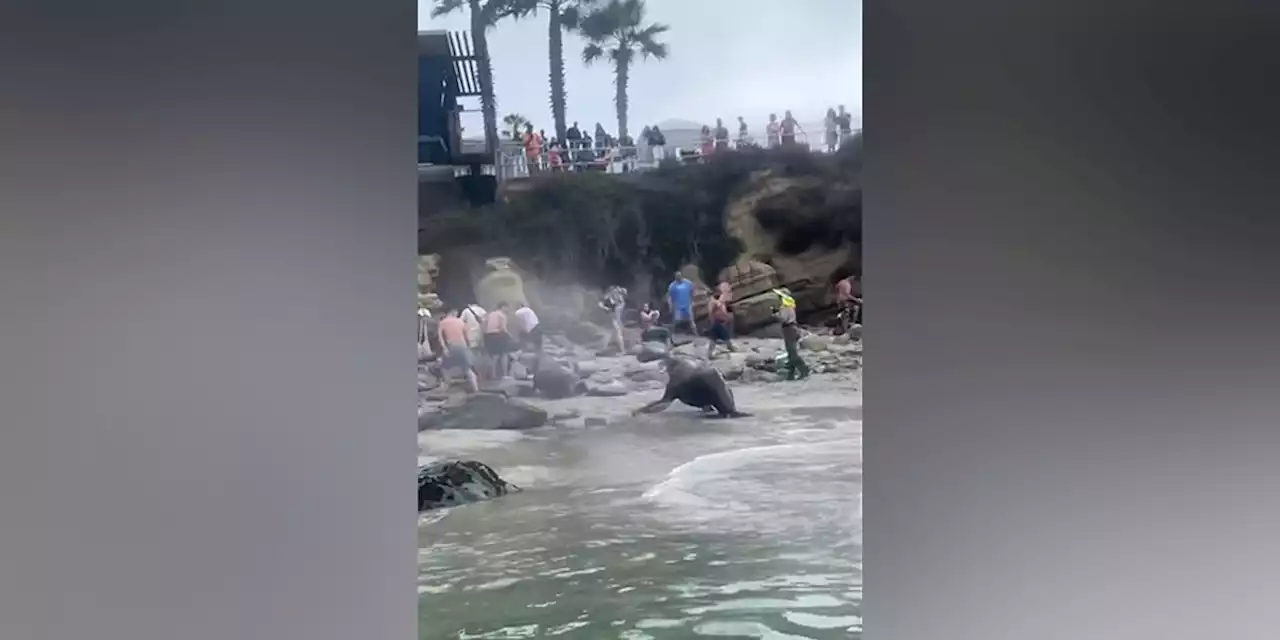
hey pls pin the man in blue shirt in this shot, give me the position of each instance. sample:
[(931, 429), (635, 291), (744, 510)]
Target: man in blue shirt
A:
[(680, 301)]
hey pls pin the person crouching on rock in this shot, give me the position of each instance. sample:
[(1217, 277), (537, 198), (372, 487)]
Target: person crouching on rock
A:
[(453, 340), (530, 328), (720, 333), (498, 342), (649, 329), (680, 301), (786, 314)]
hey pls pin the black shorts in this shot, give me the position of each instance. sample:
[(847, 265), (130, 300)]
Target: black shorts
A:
[(498, 344), (719, 332)]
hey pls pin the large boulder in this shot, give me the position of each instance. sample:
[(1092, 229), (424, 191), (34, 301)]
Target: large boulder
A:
[(651, 351), (456, 482), (484, 411)]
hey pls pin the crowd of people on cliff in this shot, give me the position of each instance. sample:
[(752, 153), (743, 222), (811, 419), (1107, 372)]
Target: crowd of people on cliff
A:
[(601, 151), (483, 345)]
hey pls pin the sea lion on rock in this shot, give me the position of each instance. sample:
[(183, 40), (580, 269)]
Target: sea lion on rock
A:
[(455, 482), (696, 384)]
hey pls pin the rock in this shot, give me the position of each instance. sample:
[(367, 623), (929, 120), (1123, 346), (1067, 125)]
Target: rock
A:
[(594, 422), (610, 389), (567, 414), (457, 482), (519, 371), (586, 368), (731, 369), (585, 334), (761, 362), (484, 411), (553, 380), (652, 373), (815, 342), (506, 387), (651, 352)]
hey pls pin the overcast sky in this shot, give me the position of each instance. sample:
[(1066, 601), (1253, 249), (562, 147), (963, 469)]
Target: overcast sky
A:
[(727, 58)]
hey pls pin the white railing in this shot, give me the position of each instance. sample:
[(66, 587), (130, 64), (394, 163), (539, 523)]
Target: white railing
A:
[(515, 162)]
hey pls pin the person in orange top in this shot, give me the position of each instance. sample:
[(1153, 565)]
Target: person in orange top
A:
[(532, 148), (452, 332), (498, 342)]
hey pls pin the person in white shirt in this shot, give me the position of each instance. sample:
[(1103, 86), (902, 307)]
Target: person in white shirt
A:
[(530, 331)]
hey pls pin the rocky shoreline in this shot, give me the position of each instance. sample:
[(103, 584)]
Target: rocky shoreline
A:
[(601, 388)]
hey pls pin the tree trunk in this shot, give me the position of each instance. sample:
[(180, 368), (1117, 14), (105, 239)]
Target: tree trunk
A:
[(623, 71), (555, 36), (488, 103)]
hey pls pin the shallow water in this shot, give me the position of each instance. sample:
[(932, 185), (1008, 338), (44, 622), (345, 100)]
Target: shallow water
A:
[(658, 527)]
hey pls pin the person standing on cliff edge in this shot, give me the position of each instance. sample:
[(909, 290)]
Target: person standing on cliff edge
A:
[(680, 302)]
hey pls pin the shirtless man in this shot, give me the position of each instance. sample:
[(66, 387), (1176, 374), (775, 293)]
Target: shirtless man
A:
[(453, 340), (847, 298), (497, 341)]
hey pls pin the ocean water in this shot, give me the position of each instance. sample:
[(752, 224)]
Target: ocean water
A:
[(658, 527)]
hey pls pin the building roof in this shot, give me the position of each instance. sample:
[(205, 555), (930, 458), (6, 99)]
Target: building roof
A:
[(456, 48)]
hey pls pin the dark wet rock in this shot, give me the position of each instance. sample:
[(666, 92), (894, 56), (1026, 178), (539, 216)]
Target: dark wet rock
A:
[(457, 482), (484, 411), (553, 380), (594, 422), (437, 394), (609, 389)]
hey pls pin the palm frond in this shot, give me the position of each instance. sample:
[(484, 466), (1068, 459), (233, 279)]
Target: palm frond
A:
[(445, 7), (592, 53)]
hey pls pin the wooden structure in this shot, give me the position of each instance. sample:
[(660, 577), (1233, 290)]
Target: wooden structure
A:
[(448, 71)]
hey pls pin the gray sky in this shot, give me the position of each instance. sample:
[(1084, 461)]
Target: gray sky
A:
[(727, 58)]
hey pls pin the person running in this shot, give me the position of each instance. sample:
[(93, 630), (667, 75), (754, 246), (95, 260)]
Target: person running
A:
[(680, 302), (615, 301), (786, 314), (453, 340), (498, 342), (530, 329), (718, 313)]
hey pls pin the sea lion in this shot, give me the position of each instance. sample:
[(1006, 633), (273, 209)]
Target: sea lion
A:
[(451, 483), (696, 384)]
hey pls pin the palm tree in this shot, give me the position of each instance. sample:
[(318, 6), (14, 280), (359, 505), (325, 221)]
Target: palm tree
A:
[(562, 15), (618, 30), (516, 122), (484, 15)]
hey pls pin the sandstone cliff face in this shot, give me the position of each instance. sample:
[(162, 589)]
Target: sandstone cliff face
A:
[(760, 219)]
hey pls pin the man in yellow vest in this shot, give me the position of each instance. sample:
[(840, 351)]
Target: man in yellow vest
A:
[(786, 314)]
